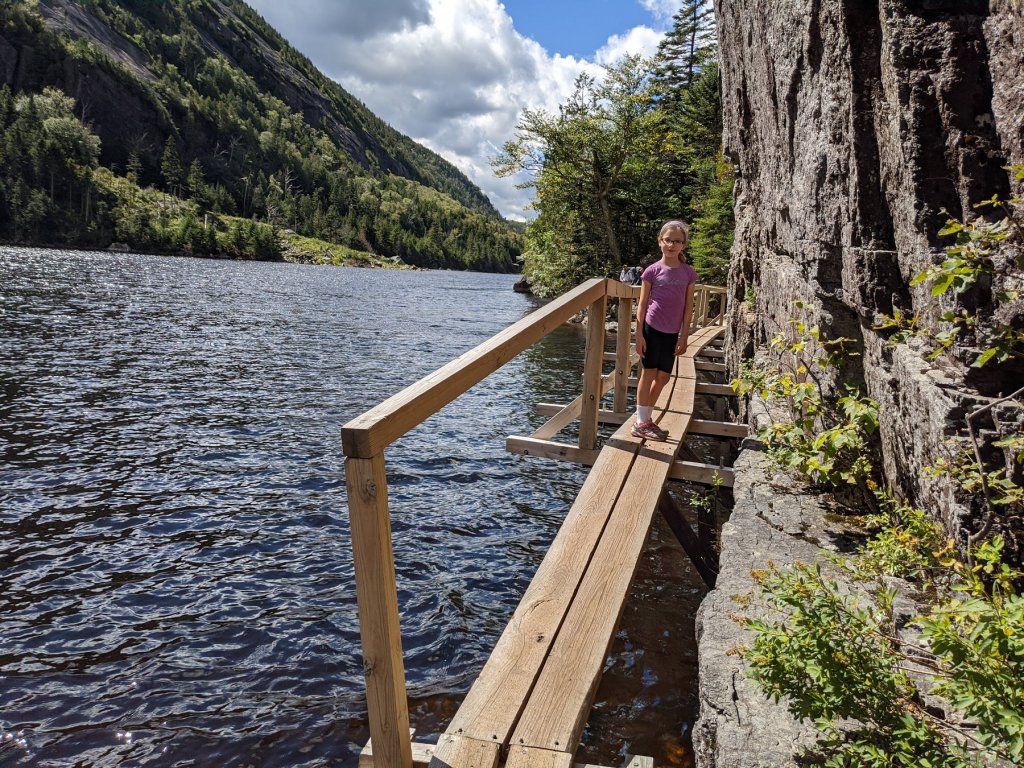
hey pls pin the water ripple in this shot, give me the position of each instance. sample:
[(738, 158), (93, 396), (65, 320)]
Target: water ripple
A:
[(176, 580)]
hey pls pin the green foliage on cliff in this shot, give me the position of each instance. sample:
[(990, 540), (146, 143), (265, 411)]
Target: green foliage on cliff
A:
[(204, 101), (623, 155), (828, 441), (945, 687), (984, 249), (846, 662)]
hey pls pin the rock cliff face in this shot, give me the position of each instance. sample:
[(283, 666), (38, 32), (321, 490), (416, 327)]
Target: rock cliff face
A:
[(854, 126)]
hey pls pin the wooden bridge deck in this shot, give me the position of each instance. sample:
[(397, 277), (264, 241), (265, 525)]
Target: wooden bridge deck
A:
[(534, 694), (530, 703)]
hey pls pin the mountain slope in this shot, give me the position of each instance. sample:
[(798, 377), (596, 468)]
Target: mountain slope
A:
[(261, 131)]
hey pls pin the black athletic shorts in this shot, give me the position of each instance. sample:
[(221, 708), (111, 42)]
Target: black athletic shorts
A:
[(661, 349)]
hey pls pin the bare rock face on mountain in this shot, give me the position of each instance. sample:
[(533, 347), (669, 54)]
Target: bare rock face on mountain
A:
[(856, 130)]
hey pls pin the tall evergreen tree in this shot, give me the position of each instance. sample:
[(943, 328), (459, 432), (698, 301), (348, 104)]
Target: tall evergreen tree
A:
[(171, 168), (686, 48), (194, 183), (699, 112)]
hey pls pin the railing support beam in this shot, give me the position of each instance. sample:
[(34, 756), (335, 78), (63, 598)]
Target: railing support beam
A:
[(623, 344), (377, 596), (592, 365)]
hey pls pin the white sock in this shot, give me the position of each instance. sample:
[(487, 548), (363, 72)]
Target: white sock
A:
[(643, 413)]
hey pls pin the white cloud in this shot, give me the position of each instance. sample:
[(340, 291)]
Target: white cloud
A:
[(453, 75), (662, 10), (354, 20), (639, 40)]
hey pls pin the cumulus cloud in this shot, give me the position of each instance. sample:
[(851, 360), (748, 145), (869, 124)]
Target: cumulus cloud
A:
[(353, 20), (453, 75), (662, 10), (641, 41)]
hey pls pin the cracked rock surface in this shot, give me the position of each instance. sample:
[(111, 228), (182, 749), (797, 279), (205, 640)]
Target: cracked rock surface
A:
[(738, 727)]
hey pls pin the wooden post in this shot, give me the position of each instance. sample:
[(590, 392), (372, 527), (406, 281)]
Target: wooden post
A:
[(592, 373), (684, 533), (623, 348), (377, 597), (706, 534), (700, 308)]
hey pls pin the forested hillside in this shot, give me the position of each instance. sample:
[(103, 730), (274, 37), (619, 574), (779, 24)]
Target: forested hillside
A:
[(192, 125)]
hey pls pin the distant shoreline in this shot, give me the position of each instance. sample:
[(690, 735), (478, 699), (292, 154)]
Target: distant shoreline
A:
[(293, 255)]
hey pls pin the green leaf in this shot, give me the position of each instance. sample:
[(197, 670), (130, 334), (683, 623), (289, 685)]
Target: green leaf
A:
[(984, 357), (942, 284)]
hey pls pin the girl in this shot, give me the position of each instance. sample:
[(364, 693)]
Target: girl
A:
[(662, 322)]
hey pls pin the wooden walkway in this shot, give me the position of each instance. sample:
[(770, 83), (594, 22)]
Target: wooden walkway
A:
[(530, 703)]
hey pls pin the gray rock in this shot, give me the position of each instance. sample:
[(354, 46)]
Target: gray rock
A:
[(852, 128), (738, 727)]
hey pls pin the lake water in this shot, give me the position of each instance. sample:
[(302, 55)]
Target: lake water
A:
[(176, 582)]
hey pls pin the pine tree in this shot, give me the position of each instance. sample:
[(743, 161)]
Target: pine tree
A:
[(195, 184), (171, 168), (699, 113), (685, 50)]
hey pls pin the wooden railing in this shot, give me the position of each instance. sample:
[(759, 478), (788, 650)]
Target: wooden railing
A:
[(365, 438)]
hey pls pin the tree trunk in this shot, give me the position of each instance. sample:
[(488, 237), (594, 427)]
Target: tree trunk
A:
[(606, 212)]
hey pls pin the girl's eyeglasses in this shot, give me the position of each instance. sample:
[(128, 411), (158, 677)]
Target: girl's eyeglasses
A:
[(674, 242)]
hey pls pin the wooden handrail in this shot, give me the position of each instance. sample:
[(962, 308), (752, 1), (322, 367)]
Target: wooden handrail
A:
[(367, 435)]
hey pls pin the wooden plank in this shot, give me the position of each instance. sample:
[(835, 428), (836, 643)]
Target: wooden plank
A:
[(712, 352), (676, 398), (549, 449), (708, 474), (531, 757), (621, 290), (560, 701), (420, 751), (700, 339), (567, 586), (495, 699), (625, 358), (716, 367), (604, 416), (560, 420), (718, 428), (421, 754), (377, 598), (722, 390), (569, 413), (611, 357), (700, 308), (456, 750), (368, 434), (689, 471), (592, 384)]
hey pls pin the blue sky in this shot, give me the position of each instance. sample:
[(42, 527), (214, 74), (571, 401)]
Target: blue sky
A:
[(575, 27), (455, 75)]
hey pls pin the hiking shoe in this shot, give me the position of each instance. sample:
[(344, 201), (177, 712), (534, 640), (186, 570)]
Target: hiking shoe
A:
[(647, 431), (659, 430)]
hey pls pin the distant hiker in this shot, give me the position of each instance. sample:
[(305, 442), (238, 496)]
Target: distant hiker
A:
[(626, 275), (662, 322), (634, 274)]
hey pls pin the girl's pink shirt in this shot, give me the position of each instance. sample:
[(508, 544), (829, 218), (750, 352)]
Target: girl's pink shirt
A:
[(668, 295)]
